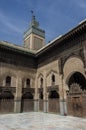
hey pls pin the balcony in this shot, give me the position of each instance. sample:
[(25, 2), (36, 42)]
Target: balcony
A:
[(53, 88), (6, 88), (25, 90)]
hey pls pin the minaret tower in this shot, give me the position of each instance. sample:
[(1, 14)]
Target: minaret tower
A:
[(34, 37)]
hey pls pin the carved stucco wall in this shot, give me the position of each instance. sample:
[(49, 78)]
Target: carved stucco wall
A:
[(17, 75), (46, 72), (72, 65)]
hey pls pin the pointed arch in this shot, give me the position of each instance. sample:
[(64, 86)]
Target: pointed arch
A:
[(8, 81), (40, 75), (27, 95), (51, 72), (71, 65), (27, 81), (40, 80), (53, 94), (72, 56), (8, 78), (78, 78)]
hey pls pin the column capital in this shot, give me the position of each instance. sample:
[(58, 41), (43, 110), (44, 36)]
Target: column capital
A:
[(17, 99), (46, 96)]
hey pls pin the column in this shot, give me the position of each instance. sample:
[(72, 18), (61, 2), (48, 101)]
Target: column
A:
[(84, 51), (45, 95), (62, 91), (65, 98), (46, 103), (36, 96), (17, 100), (65, 107)]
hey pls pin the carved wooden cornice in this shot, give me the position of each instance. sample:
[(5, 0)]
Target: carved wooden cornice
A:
[(10, 89), (25, 90), (53, 88)]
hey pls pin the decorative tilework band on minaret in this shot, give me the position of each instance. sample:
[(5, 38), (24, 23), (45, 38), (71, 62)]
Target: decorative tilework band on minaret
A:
[(34, 37)]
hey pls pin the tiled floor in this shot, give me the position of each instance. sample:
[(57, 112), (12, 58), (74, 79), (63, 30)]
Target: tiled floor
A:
[(40, 121)]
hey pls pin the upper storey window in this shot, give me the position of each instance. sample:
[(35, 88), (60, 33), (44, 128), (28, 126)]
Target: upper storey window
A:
[(8, 81), (28, 82), (53, 79), (41, 82)]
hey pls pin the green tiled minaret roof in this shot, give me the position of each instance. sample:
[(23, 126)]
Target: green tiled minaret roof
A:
[(34, 28), (34, 23)]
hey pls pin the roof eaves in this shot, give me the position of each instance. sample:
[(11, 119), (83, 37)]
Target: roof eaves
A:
[(61, 37), (18, 48)]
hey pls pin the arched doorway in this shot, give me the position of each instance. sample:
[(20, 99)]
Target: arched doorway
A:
[(78, 78), (6, 102), (54, 102), (27, 102), (76, 97)]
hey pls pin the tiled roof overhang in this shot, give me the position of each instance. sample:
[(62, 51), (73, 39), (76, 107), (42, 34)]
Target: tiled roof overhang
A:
[(81, 28)]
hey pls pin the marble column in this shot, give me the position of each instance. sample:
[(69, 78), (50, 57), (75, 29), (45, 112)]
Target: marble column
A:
[(17, 100), (36, 96), (62, 91), (65, 107), (36, 105), (84, 51), (45, 95), (61, 107), (17, 104), (46, 103)]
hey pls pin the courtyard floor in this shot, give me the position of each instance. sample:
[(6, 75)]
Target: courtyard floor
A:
[(40, 121)]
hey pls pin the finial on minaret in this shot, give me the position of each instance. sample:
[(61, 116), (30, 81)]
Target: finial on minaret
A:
[(33, 16), (32, 12), (33, 21)]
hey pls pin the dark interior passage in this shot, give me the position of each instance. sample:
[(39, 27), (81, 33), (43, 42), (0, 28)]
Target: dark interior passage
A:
[(79, 79), (53, 94)]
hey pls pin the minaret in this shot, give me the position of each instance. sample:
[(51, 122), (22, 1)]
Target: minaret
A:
[(34, 37)]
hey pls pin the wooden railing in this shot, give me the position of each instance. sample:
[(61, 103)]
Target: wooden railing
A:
[(24, 90), (5, 88), (53, 88)]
